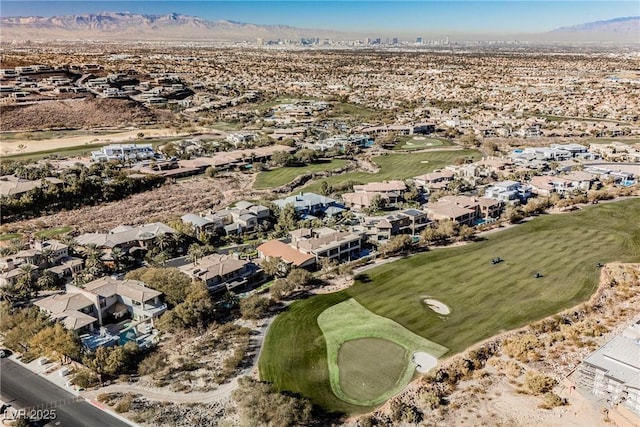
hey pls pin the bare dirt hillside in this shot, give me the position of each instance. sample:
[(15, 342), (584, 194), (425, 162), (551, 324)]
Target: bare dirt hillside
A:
[(74, 113), (170, 201)]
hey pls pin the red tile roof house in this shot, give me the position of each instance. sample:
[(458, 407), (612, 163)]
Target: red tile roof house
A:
[(290, 255)]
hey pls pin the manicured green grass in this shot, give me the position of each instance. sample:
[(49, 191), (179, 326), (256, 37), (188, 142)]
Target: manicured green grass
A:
[(400, 166), (77, 151), (485, 299), (226, 126), (52, 134), (80, 150), (51, 232), (350, 111), (349, 321), (294, 355), (284, 175), (9, 236), (414, 142), (370, 367)]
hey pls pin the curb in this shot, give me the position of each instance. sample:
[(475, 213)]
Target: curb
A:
[(114, 414), (76, 393)]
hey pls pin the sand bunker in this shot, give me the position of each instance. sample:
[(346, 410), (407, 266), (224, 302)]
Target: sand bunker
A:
[(424, 161), (437, 306), (425, 361)]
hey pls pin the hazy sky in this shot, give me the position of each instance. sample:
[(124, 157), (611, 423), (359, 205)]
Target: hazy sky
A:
[(461, 16)]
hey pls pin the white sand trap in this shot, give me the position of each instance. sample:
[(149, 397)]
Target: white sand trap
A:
[(424, 161), (437, 306), (425, 361)]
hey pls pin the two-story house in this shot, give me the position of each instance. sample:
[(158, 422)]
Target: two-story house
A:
[(222, 273), (327, 243), (381, 228), (101, 302)]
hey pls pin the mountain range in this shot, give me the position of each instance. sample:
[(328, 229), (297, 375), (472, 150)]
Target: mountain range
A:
[(176, 27), (625, 29), (128, 26)]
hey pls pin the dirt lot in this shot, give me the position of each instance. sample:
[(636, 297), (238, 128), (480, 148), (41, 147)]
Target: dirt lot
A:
[(75, 113), (165, 203)]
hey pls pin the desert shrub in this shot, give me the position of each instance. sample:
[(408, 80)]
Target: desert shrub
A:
[(400, 412), (124, 404), (178, 387), (259, 404), (365, 421), (410, 415), (551, 400), (188, 365), (430, 400), (152, 363), (460, 368), (538, 383), (254, 307), (104, 398), (523, 348), (231, 364), (85, 378)]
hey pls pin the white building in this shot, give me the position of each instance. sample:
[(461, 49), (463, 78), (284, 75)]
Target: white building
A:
[(123, 152), (613, 372)]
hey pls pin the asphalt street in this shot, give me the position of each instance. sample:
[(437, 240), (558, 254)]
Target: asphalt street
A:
[(22, 388)]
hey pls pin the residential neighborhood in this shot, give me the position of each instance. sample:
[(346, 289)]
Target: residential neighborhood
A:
[(362, 233)]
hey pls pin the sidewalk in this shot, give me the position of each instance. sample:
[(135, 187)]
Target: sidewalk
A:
[(53, 372)]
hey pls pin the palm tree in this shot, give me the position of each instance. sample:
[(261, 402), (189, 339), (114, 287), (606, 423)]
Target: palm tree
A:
[(48, 255), (230, 299), (161, 258), (46, 280), (178, 240), (164, 241), (26, 284), (194, 253), (93, 263), (118, 256), (8, 293)]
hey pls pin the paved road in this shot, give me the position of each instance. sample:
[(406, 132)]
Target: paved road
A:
[(24, 389)]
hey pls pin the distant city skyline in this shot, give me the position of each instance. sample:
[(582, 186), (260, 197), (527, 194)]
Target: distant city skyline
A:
[(384, 18)]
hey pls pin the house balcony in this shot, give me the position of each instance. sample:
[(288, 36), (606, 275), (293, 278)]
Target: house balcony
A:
[(148, 310)]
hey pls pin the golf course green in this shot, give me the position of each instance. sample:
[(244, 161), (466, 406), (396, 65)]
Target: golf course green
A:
[(379, 365), (485, 299)]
